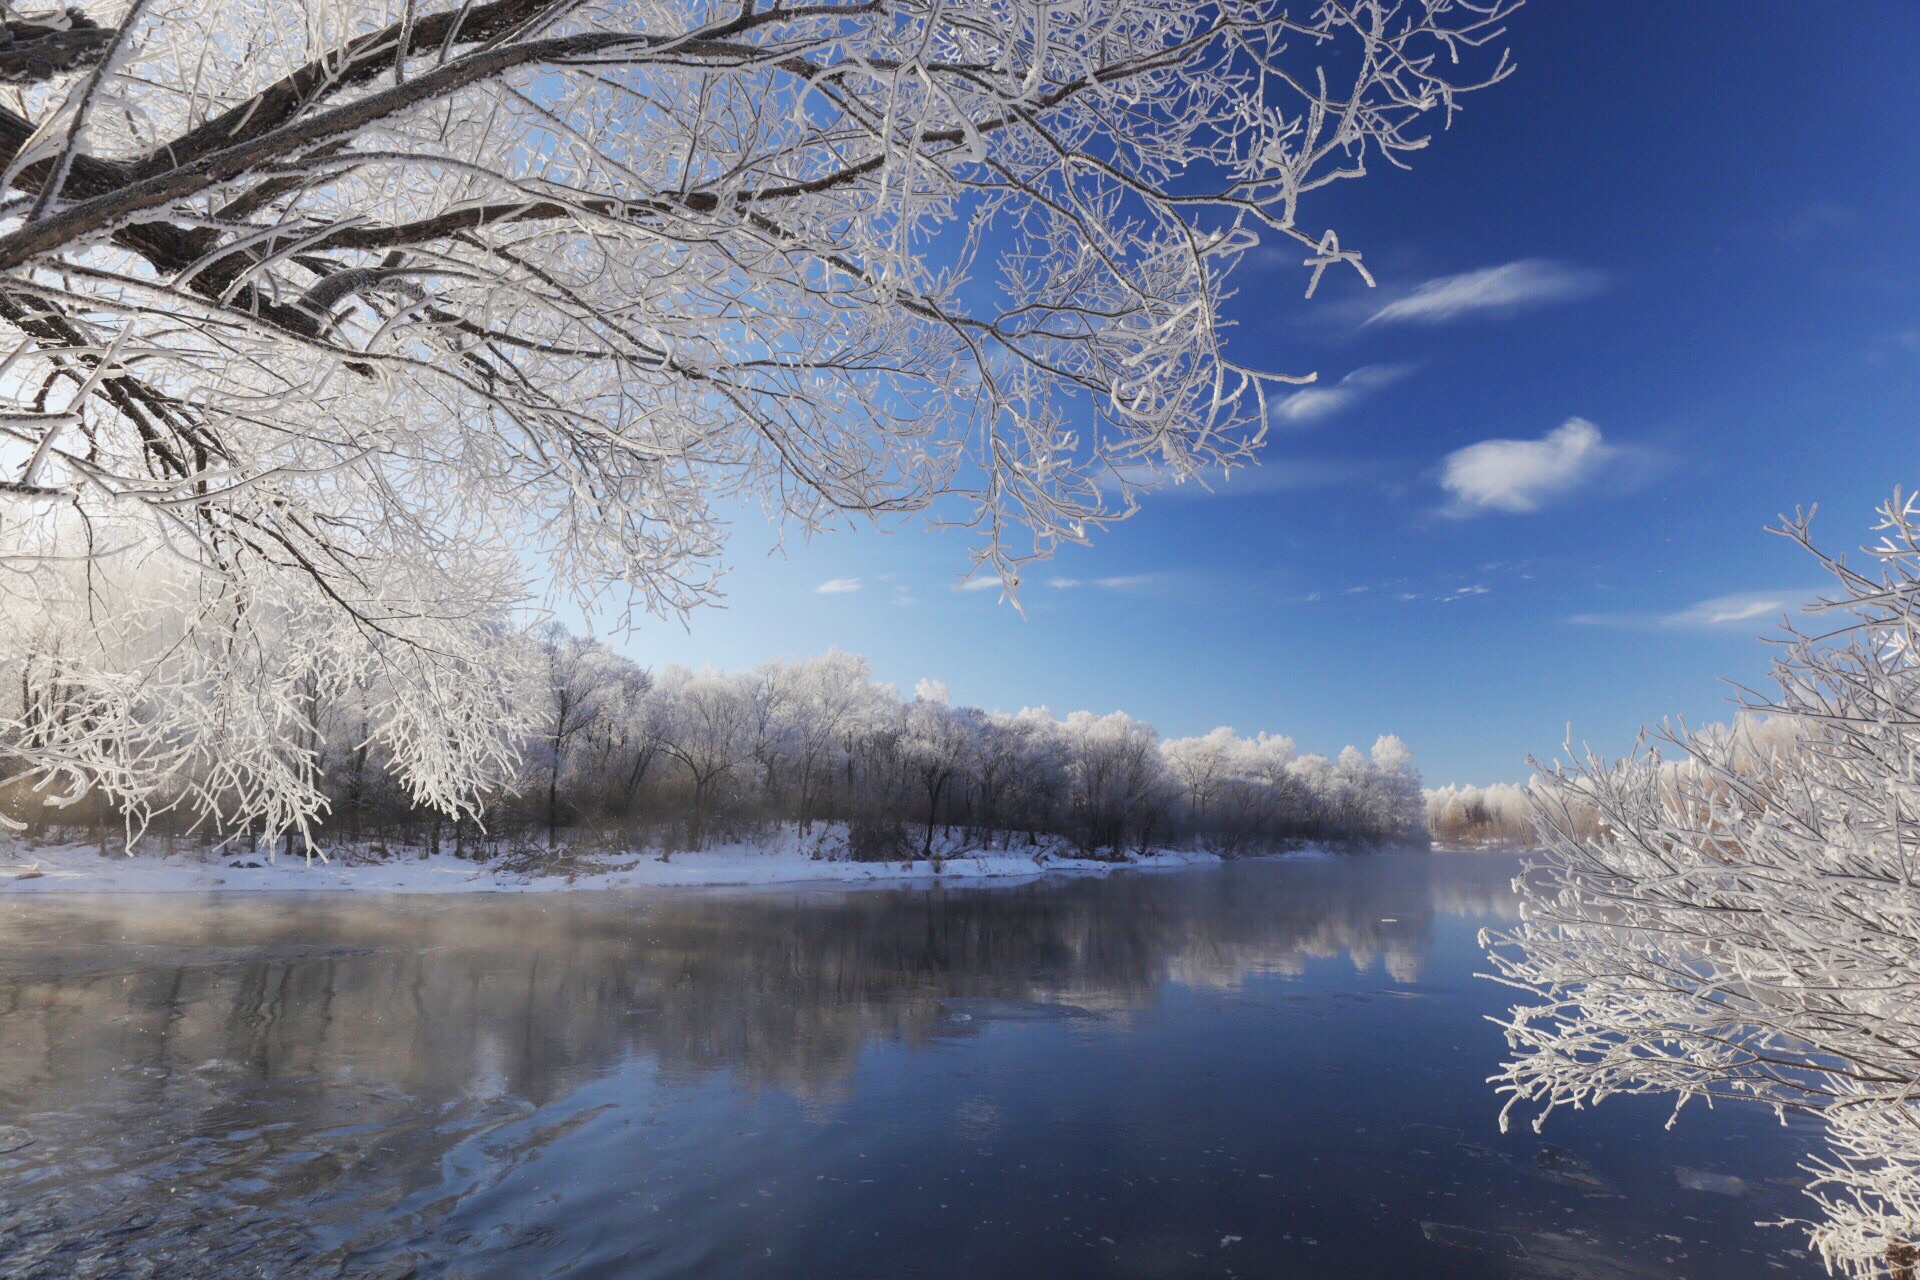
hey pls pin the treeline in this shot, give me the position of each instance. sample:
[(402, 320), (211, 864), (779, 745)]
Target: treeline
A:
[(614, 752)]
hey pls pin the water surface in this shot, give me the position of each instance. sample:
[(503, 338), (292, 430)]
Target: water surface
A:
[(1271, 1068)]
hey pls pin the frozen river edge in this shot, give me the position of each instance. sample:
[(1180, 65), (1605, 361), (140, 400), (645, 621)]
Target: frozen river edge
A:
[(784, 860)]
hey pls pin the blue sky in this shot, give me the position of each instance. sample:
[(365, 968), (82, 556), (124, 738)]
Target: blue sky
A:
[(1704, 220)]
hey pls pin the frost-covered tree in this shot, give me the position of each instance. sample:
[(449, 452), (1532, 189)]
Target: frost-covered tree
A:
[(1743, 922), (303, 303), (1238, 792), (771, 709), (835, 695), (709, 730), (1120, 789), (1394, 804), (580, 683), (622, 740), (937, 741), (1025, 781), (1203, 766)]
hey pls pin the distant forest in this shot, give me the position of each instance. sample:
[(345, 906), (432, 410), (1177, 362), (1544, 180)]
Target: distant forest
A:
[(615, 754)]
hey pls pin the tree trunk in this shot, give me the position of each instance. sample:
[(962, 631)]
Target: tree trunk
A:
[(933, 812), (698, 836)]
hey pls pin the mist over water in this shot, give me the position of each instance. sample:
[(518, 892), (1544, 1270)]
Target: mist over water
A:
[(1266, 1068)]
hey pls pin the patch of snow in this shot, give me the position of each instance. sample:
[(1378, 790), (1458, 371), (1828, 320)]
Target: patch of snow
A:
[(1720, 1184)]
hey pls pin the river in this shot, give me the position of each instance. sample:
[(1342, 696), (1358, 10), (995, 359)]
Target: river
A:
[(1273, 1068)]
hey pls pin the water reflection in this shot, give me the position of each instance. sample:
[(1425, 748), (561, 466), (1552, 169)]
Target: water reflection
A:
[(587, 1084), (498, 995)]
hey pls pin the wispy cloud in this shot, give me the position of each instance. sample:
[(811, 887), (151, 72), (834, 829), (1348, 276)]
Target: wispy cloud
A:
[(1743, 611), (1117, 582), (1510, 287), (1313, 403), (1724, 611), (1113, 582), (1900, 343), (837, 587), (1819, 220), (1443, 587), (1516, 476)]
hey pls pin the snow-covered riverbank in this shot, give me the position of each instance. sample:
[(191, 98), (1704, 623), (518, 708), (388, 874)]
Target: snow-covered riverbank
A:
[(786, 859)]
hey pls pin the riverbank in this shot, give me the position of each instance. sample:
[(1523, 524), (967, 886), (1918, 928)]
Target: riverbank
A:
[(786, 858)]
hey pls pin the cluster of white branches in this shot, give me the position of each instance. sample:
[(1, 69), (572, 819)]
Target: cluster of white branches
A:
[(141, 686), (314, 300), (1744, 922)]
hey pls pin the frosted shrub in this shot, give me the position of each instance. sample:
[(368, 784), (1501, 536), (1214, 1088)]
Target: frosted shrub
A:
[(1744, 922)]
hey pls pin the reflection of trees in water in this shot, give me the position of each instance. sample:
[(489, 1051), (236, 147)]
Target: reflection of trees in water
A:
[(519, 996), (295, 1073), (1477, 886)]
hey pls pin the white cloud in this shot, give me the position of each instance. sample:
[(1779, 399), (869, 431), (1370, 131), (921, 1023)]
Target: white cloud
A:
[(1725, 610), (1746, 611), (837, 587), (1312, 403), (1118, 582), (1408, 591), (989, 583), (1518, 475), (1513, 286)]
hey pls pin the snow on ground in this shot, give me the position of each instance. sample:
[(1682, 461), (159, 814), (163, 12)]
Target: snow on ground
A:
[(784, 859)]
